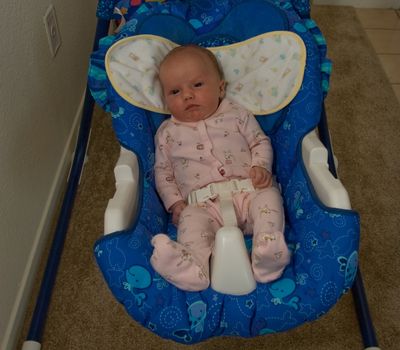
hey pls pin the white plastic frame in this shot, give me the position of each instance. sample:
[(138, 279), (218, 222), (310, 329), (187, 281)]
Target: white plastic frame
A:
[(329, 190), (121, 209)]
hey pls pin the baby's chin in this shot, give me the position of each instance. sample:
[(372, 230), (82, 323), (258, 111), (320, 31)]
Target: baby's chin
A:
[(195, 115)]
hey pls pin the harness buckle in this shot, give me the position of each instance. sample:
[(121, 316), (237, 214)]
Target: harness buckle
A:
[(223, 189)]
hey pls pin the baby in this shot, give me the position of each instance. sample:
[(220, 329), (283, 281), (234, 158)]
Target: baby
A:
[(209, 139)]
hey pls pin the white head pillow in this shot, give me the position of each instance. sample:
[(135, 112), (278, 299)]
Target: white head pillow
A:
[(263, 74)]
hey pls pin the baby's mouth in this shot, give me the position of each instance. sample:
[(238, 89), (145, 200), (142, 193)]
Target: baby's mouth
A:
[(191, 107)]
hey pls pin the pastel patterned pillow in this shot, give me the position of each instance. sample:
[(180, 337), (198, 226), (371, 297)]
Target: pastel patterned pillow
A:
[(263, 74)]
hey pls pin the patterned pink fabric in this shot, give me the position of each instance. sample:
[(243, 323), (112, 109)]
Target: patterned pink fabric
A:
[(190, 156), (185, 263), (224, 146)]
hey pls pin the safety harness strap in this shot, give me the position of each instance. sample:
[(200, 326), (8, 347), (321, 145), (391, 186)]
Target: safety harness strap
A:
[(224, 190)]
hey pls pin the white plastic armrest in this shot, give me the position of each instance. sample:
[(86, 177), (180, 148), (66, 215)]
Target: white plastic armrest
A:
[(330, 190), (122, 207)]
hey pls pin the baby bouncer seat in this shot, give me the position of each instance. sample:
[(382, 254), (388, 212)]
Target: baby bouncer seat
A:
[(321, 230)]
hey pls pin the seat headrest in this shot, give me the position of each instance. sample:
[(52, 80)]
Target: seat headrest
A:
[(263, 74)]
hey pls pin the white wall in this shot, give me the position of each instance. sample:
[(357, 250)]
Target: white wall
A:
[(361, 3), (40, 99)]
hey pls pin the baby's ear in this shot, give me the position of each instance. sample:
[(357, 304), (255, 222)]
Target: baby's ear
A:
[(222, 86)]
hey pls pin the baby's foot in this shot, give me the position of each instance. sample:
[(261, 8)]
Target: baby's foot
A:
[(178, 265), (270, 255)]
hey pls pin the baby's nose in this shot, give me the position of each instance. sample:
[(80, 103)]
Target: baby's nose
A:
[(188, 94)]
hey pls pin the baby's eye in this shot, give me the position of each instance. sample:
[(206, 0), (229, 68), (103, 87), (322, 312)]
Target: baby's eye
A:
[(199, 84), (174, 92)]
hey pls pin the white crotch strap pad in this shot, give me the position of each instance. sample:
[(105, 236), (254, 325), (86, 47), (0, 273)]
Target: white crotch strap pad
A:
[(224, 191)]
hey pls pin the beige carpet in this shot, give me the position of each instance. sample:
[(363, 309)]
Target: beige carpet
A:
[(364, 120)]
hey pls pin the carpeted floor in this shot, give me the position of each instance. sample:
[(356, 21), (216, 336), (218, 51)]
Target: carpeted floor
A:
[(364, 119)]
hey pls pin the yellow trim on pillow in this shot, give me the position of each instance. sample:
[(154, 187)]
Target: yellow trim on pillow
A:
[(110, 76), (295, 86)]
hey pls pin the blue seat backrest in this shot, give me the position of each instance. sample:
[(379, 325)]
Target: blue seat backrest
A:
[(235, 25)]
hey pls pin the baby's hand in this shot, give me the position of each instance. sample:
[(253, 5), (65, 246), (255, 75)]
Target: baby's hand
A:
[(177, 209), (260, 177)]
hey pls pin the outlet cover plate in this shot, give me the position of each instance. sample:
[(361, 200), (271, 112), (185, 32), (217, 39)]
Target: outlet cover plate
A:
[(52, 30)]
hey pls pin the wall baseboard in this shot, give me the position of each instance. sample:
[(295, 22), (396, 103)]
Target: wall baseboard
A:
[(58, 186), (361, 3)]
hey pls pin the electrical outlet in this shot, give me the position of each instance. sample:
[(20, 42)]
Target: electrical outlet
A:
[(53, 33)]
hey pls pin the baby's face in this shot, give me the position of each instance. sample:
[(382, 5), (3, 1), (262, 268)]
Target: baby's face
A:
[(191, 85)]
